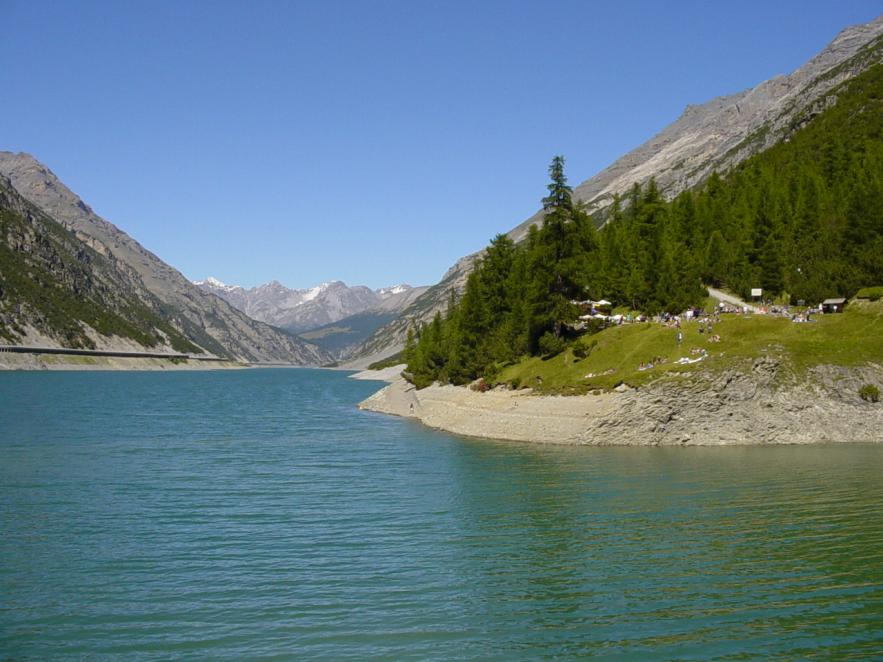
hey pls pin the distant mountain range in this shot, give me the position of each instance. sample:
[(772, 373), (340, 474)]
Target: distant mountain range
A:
[(302, 310), (69, 278), (332, 315), (714, 136)]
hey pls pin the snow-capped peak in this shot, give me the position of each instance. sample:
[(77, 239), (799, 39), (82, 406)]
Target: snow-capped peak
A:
[(313, 292), (394, 289), (211, 281)]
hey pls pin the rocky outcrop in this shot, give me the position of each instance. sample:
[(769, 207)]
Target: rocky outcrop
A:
[(764, 404), (758, 406), (135, 278)]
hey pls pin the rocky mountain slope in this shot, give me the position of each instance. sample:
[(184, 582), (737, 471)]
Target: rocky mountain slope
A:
[(302, 310), (55, 291), (72, 279), (341, 337), (714, 136), (721, 133)]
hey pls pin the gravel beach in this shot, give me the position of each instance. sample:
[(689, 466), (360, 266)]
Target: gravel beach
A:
[(702, 409)]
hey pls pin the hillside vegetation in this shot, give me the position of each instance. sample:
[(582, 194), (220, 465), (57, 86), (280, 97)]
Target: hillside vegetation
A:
[(802, 220), (615, 355), (50, 280)]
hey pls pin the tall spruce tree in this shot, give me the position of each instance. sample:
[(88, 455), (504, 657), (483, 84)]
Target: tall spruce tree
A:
[(556, 258)]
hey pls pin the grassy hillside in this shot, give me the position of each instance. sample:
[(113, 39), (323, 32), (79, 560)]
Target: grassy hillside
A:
[(852, 338)]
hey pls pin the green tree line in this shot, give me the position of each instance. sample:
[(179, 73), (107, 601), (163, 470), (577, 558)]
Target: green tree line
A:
[(803, 220)]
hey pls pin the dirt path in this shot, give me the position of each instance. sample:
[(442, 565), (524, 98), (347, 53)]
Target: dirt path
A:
[(729, 298)]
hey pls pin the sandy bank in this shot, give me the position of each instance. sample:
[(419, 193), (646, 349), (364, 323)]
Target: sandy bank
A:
[(730, 408)]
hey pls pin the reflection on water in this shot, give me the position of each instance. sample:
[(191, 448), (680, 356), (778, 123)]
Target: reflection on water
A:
[(250, 514)]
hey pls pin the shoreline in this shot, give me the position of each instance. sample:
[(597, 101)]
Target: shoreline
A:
[(62, 362), (389, 375), (702, 409)]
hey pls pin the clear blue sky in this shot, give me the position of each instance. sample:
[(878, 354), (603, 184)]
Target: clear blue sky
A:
[(374, 142)]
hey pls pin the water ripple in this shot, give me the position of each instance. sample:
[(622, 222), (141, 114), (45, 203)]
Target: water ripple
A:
[(257, 514)]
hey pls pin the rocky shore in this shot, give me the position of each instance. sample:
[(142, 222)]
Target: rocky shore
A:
[(758, 405)]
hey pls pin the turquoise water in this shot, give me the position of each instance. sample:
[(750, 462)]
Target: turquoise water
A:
[(257, 514)]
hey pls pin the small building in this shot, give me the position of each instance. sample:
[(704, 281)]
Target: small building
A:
[(833, 305)]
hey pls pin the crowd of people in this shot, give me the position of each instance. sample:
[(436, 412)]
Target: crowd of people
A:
[(706, 321)]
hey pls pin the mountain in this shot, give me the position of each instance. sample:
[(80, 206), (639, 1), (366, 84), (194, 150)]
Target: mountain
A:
[(303, 310), (717, 135), (69, 278), (340, 337), (714, 136), (56, 291)]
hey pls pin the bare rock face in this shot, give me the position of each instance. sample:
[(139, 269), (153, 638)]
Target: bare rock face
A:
[(204, 319), (760, 405), (713, 136)]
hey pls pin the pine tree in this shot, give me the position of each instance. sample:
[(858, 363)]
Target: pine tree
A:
[(410, 345), (716, 259), (495, 270), (471, 343), (556, 258)]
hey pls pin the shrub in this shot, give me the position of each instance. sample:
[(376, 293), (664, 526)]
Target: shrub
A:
[(869, 393), (515, 383), (871, 293), (550, 344), (491, 372), (388, 362), (581, 351), (480, 386)]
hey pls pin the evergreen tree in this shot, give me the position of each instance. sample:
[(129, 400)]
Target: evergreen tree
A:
[(716, 260), (410, 345), (557, 258)]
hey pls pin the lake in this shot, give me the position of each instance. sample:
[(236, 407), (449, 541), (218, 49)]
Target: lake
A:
[(258, 514)]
